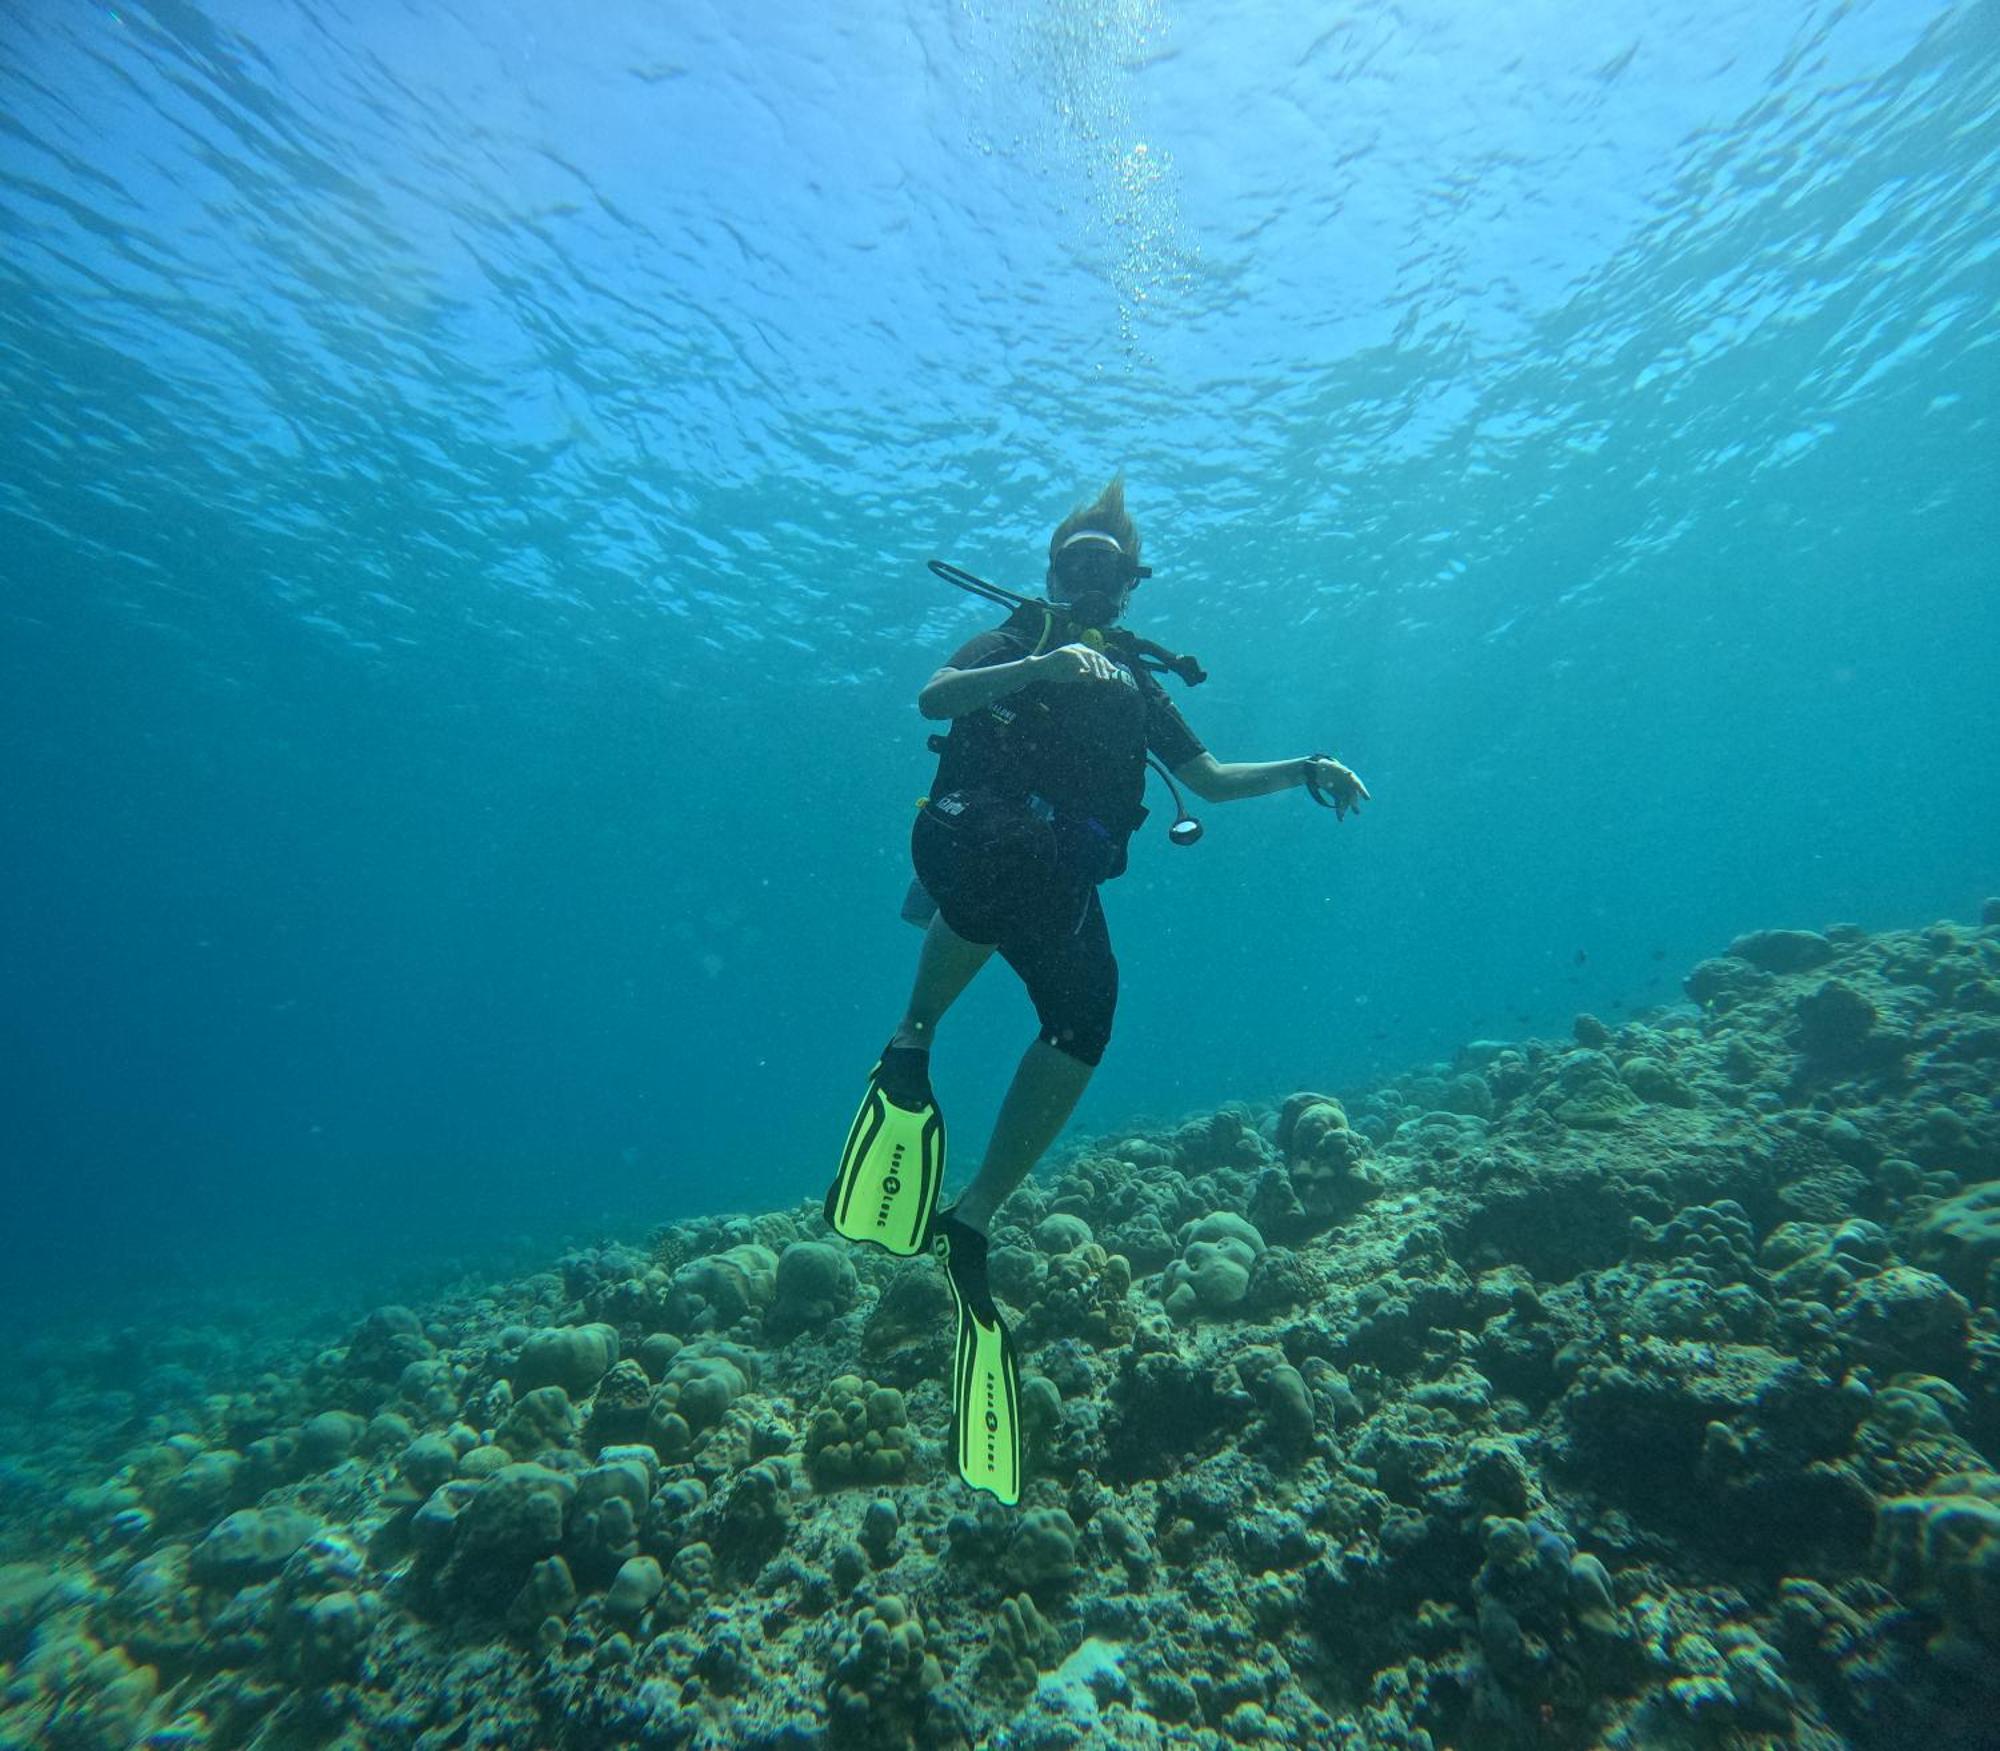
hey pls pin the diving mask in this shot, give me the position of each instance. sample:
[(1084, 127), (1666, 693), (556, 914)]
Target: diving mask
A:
[(1093, 573)]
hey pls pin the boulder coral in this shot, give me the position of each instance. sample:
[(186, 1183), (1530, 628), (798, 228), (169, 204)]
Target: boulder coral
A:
[(1212, 1275), (1941, 1549), (815, 1281), (574, 1358), (715, 1293), (859, 1434)]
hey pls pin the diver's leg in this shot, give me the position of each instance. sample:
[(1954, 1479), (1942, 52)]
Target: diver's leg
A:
[(1073, 980), (1039, 1102), (945, 966)]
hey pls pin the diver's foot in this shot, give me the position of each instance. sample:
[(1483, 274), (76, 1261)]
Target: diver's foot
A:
[(961, 1248), (904, 1075)]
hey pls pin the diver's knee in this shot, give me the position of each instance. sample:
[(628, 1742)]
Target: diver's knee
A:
[(1085, 1042)]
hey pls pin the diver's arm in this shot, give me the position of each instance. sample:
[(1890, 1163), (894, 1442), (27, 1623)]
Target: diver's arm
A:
[(954, 692), (1215, 781)]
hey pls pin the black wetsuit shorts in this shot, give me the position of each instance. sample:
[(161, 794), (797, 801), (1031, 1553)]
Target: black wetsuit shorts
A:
[(1006, 871)]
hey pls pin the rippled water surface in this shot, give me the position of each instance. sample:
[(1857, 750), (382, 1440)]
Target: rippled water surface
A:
[(467, 477)]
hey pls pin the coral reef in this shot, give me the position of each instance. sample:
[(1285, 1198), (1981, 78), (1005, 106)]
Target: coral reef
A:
[(1638, 1388)]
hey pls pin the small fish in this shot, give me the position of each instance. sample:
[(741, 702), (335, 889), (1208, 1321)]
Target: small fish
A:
[(1582, 958)]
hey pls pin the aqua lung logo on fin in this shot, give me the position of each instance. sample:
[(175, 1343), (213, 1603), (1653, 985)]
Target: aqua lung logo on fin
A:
[(892, 1183), (992, 1425)]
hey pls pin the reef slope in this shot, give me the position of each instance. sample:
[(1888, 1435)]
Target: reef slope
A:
[(1637, 1389)]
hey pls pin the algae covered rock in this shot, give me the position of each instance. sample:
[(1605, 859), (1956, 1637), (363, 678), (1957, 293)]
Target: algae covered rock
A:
[(1022, 1646), (1523, 1592), (1041, 1414), (815, 1282), (384, 1344), (156, 1612), (879, 1527), (249, 1545), (1835, 1027), (199, 1492), (883, 1678), (512, 1521), (1960, 1238), (26, 1591), (1906, 1318), (327, 1439), (320, 1640), (1326, 1173), (1084, 1292), (1393, 1315), (1942, 1549), (1062, 1232), (572, 1357), (656, 1353), (640, 1580), (1726, 982), (602, 1529), (1783, 951), (749, 1523), (549, 1593), (1282, 1279), (619, 1407), (701, 1384), (907, 1335), (540, 1421), (1643, 1420), (1162, 1406), (1587, 1030), (1695, 1276), (1589, 1094), (1654, 1082), (1305, 1122), (1290, 1419), (1041, 1557), (712, 1294)]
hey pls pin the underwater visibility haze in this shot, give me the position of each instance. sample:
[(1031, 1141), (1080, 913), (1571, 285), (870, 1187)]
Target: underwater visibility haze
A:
[(469, 481), (466, 482)]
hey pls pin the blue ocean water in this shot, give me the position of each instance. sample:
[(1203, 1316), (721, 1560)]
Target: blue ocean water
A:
[(465, 482)]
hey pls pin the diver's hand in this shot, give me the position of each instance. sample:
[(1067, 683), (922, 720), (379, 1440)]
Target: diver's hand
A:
[(1074, 662), (1337, 784)]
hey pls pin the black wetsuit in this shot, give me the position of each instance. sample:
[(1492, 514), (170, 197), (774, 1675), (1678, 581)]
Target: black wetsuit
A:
[(1034, 800)]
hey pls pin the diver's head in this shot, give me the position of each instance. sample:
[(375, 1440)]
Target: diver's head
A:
[(1094, 559)]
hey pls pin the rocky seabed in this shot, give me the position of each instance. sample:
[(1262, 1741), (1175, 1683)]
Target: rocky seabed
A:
[(1637, 1389)]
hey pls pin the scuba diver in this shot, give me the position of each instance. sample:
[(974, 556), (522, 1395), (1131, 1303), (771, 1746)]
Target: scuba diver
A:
[(1055, 717)]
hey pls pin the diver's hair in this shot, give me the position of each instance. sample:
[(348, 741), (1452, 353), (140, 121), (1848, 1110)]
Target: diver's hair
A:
[(1108, 514)]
